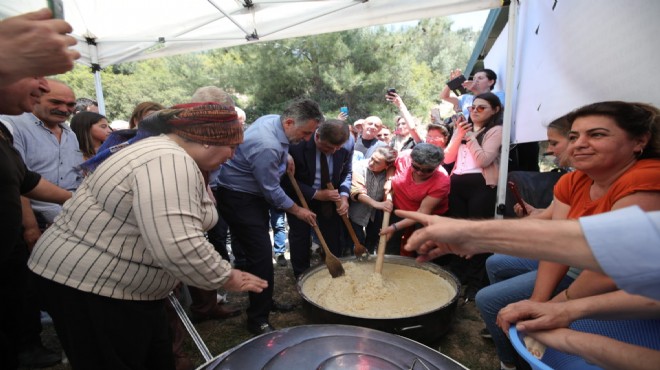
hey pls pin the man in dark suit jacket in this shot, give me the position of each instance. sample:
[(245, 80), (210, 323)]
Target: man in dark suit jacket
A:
[(332, 140)]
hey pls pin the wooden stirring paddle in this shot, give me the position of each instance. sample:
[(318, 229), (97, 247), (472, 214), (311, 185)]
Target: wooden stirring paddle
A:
[(331, 262), (359, 249), (380, 257)]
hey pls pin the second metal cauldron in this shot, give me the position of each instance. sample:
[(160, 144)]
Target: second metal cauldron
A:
[(426, 327)]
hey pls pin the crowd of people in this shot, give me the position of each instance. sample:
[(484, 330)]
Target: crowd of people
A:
[(100, 226)]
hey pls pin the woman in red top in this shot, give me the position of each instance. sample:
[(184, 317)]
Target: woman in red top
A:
[(419, 184)]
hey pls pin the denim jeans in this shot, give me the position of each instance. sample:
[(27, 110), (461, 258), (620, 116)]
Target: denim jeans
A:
[(512, 279), (279, 230)]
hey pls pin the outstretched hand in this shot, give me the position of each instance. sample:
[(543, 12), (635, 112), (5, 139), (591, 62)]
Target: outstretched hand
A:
[(439, 236), (532, 316), (240, 281)]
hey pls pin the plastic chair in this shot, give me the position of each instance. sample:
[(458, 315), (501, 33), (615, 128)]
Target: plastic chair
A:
[(644, 333)]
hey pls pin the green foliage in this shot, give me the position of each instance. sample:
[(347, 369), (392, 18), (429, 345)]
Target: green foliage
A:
[(350, 68)]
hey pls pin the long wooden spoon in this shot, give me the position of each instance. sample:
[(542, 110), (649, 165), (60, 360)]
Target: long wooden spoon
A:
[(380, 257), (359, 249), (331, 262)]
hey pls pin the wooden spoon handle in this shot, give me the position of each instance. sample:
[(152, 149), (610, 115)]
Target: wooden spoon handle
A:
[(380, 258), (332, 262), (347, 221)]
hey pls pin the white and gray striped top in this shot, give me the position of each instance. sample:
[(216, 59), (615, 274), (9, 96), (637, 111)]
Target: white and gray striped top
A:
[(135, 227)]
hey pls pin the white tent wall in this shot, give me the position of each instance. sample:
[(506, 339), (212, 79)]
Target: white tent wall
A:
[(568, 54), (580, 52)]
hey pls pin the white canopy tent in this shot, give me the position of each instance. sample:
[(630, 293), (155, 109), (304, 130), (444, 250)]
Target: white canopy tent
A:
[(112, 32), (130, 30)]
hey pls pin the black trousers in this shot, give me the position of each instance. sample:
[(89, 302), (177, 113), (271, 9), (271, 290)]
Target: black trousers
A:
[(249, 221), (300, 240), (98, 332), (471, 198)]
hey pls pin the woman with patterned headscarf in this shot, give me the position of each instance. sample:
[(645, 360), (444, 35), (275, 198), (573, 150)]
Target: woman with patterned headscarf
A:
[(133, 230)]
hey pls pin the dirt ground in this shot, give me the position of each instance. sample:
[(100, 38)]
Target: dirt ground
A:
[(462, 342)]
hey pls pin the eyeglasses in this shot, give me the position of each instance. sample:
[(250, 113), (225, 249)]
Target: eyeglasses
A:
[(435, 138), (423, 170), (478, 108)]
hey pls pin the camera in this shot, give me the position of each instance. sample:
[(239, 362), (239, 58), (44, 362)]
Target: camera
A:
[(456, 85), (391, 91)]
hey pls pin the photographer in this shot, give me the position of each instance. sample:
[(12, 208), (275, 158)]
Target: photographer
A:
[(405, 134)]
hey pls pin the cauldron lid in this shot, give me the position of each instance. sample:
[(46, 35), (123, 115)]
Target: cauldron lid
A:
[(331, 347)]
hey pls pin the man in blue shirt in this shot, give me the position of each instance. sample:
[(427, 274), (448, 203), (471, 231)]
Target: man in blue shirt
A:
[(48, 146), (249, 184)]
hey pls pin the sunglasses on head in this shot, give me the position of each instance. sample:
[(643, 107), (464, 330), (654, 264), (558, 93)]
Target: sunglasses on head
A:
[(478, 108), (423, 170)]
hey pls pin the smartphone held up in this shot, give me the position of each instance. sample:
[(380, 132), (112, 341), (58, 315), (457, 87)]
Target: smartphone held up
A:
[(57, 8)]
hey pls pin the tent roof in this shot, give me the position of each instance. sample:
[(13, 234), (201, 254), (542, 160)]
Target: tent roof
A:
[(130, 30)]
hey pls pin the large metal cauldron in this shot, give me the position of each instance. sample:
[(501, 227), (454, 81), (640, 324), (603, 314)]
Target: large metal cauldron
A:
[(425, 328), (331, 347)]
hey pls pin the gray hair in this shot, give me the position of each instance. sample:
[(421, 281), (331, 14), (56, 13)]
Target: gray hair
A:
[(303, 111), (388, 153), (427, 155), (212, 94)]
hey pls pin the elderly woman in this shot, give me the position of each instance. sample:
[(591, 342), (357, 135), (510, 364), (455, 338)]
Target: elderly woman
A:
[(615, 148), (419, 184), (131, 233), (368, 195)]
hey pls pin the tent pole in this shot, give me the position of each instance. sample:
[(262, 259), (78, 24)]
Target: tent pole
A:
[(98, 85), (96, 70), (508, 108)]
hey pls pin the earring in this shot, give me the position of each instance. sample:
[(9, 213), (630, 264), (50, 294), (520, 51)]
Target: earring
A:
[(206, 146)]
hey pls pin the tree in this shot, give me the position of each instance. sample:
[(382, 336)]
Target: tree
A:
[(350, 68)]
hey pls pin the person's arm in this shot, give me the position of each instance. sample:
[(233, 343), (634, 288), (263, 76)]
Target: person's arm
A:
[(616, 305), (405, 114), (549, 274), (35, 45), (169, 216), (427, 206), (588, 283), (445, 94), (529, 238), (49, 192), (536, 213), (31, 231), (489, 150), (451, 151), (599, 350)]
